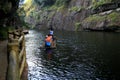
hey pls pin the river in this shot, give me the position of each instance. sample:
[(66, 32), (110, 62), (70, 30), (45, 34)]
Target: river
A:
[(78, 56)]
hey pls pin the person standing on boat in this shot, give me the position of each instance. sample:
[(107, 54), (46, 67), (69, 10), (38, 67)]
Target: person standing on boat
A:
[(53, 37), (48, 40)]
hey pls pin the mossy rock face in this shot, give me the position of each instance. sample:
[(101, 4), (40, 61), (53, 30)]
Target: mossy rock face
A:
[(77, 26), (96, 3), (95, 18), (114, 17), (98, 22), (76, 9), (70, 16)]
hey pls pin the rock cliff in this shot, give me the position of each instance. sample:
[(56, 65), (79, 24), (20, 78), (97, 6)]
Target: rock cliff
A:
[(95, 15)]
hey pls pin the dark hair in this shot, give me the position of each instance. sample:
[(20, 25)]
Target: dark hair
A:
[(49, 34), (51, 28)]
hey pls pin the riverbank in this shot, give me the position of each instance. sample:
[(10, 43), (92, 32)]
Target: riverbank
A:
[(3, 59)]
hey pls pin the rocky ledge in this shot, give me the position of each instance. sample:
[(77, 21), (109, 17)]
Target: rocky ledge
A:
[(104, 21)]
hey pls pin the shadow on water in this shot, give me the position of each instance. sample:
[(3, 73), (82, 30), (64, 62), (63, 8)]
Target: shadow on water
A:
[(49, 53), (81, 55)]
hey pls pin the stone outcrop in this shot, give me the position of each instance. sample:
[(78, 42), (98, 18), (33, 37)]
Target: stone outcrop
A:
[(82, 15), (104, 21)]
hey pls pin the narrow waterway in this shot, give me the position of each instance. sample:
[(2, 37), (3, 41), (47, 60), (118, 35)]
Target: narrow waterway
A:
[(78, 56)]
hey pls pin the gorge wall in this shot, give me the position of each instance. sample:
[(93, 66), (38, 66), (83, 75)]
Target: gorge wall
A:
[(8, 16), (95, 15), (8, 13)]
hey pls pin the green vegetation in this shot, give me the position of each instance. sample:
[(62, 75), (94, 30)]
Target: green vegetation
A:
[(51, 15), (31, 7), (62, 2), (114, 17), (96, 3), (95, 18), (59, 5), (77, 25), (27, 8), (60, 8), (44, 9), (75, 8), (10, 17)]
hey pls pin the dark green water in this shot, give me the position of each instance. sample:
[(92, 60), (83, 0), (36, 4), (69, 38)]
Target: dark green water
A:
[(79, 56)]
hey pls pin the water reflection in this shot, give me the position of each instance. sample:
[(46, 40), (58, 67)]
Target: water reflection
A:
[(49, 52), (79, 56)]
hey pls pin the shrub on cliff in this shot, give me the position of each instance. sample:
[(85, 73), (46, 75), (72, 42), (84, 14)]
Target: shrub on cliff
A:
[(77, 26), (95, 3)]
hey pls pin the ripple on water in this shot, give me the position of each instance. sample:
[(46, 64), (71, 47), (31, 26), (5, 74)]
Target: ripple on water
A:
[(76, 57)]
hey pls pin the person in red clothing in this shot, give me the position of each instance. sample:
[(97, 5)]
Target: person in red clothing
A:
[(48, 40)]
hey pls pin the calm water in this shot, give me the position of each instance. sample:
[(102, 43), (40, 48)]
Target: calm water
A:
[(79, 56)]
